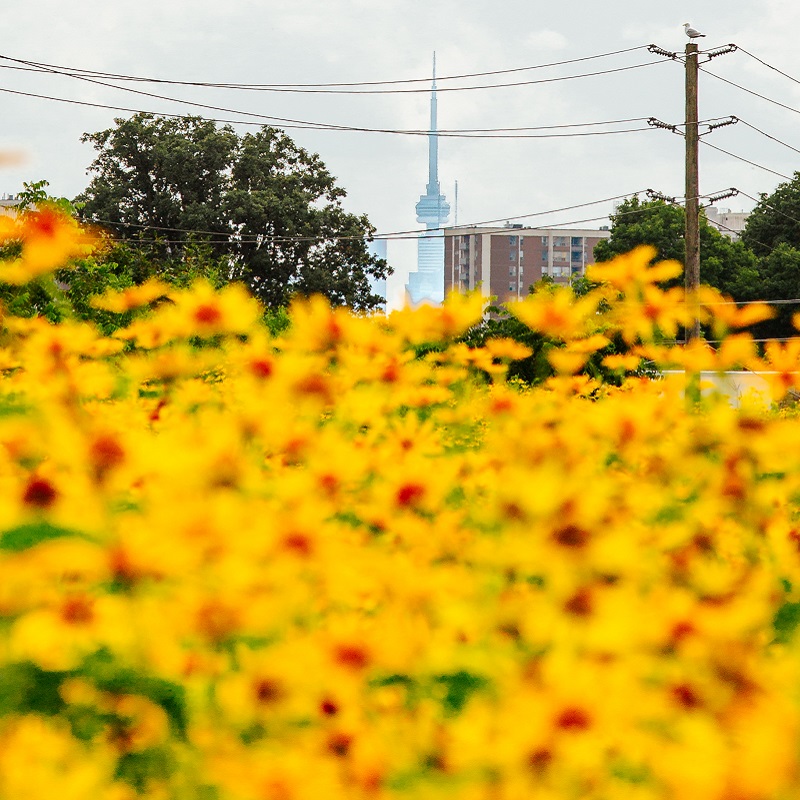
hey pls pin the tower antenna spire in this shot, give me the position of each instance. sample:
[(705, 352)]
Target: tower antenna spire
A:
[(433, 140)]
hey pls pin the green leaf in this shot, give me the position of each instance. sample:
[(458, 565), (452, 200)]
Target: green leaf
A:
[(23, 537), (460, 687), (9, 407), (109, 675), (139, 769), (785, 622), (27, 689)]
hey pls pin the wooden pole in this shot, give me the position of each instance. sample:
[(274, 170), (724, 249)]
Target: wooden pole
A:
[(692, 234)]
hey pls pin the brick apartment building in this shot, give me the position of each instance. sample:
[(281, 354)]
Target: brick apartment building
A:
[(504, 262)]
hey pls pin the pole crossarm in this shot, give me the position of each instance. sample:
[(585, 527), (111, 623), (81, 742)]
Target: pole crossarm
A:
[(657, 123), (712, 126), (715, 198), (660, 51), (654, 195), (718, 51)]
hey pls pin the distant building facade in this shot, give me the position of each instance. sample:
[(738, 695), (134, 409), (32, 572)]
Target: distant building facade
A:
[(378, 247), (505, 262), (727, 222)]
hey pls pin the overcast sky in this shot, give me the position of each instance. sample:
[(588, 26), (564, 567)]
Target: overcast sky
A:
[(315, 41)]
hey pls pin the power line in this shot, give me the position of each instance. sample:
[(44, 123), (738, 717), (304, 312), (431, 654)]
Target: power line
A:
[(378, 236), (74, 71), (750, 91), (764, 133), (657, 124), (746, 160), (418, 234), (769, 66), (673, 201), (467, 133), (771, 208), (82, 77)]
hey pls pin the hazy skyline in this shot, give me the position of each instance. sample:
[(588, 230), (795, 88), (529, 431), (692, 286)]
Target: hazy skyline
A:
[(309, 41)]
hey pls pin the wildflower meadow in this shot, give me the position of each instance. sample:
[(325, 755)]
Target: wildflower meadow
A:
[(355, 561)]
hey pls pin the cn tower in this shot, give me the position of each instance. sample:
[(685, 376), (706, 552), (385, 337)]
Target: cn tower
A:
[(427, 283)]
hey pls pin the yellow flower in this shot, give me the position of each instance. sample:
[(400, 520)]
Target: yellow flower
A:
[(626, 271), (123, 300), (39, 757), (783, 361), (558, 314), (566, 361), (49, 238)]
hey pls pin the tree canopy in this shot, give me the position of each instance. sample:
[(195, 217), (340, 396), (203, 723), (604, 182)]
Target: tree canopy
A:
[(728, 265), (763, 265), (256, 208), (775, 220)]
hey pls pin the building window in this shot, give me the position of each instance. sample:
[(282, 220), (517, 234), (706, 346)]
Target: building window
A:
[(577, 241), (512, 239), (577, 255), (520, 255), (560, 241), (544, 241), (512, 256), (511, 287), (560, 255), (544, 255)]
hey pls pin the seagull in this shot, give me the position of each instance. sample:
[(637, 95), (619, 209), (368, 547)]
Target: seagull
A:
[(691, 32)]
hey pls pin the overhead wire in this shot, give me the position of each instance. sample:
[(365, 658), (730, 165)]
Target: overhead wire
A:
[(41, 67), (86, 75), (411, 234), (749, 91), (768, 136), (476, 133), (769, 66), (745, 160), (673, 129), (103, 80), (764, 203)]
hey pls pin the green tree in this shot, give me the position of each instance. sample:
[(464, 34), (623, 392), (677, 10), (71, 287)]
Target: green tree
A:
[(779, 279), (255, 208), (775, 220), (726, 264), (773, 233)]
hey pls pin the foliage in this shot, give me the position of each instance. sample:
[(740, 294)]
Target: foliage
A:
[(764, 265), (255, 208), (239, 567), (775, 220), (500, 326), (728, 265)]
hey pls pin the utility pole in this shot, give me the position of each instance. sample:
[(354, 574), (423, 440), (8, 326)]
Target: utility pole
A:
[(692, 233), (692, 137)]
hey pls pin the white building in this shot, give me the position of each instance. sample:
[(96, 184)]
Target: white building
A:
[(727, 222)]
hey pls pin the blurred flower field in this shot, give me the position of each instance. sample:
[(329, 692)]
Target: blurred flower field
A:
[(355, 562)]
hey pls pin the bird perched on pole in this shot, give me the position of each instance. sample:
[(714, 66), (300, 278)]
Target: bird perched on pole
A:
[(691, 32)]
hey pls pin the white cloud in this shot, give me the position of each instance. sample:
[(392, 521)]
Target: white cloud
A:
[(546, 40)]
